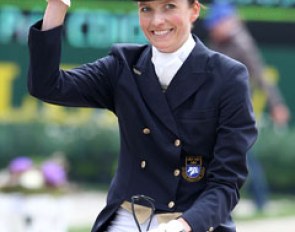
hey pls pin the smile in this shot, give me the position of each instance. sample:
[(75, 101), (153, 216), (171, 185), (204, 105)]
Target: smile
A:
[(161, 33)]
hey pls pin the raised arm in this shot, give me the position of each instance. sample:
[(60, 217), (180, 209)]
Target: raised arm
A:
[(88, 85), (55, 14)]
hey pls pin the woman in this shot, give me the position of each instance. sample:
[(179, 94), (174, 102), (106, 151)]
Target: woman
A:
[(184, 113)]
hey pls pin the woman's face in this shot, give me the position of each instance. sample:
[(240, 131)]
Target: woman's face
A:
[(167, 23)]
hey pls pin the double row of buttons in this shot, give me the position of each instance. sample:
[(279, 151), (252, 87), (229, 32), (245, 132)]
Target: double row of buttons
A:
[(143, 164), (147, 131), (177, 143), (171, 204)]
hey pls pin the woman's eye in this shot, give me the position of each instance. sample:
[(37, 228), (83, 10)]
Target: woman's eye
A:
[(170, 6), (145, 9)]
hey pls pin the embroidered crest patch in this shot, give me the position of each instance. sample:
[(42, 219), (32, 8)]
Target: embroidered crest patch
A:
[(193, 170)]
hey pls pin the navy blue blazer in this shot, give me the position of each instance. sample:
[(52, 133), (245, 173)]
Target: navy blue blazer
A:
[(186, 148)]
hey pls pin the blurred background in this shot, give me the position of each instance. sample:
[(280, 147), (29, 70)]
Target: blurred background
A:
[(56, 163)]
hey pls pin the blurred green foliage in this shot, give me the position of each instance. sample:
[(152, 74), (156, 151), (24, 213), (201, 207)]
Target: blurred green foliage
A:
[(91, 150), (276, 151)]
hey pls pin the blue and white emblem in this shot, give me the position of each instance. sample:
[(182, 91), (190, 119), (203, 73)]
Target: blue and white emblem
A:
[(193, 170)]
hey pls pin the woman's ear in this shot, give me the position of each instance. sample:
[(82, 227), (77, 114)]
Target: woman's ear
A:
[(195, 11)]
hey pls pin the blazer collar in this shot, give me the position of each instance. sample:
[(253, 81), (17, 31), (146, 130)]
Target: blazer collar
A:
[(198, 58), (187, 81), (151, 91), (190, 77)]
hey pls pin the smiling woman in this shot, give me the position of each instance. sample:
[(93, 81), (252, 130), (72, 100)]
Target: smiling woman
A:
[(167, 24), (184, 113)]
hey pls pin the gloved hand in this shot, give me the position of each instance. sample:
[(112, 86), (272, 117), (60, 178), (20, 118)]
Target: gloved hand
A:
[(171, 226), (67, 2)]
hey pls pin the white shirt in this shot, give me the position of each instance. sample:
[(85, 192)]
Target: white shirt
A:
[(167, 64)]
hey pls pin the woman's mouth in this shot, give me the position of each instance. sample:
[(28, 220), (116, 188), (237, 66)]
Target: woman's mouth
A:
[(161, 32)]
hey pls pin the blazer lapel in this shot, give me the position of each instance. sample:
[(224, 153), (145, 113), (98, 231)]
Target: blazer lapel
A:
[(190, 77), (150, 89)]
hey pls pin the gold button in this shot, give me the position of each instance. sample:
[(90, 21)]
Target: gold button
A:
[(171, 204), (146, 131), (143, 164), (177, 143), (211, 229), (176, 172)]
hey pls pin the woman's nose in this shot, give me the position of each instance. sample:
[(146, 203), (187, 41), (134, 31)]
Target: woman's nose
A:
[(158, 18)]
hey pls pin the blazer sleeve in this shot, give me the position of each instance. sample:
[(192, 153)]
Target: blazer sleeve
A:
[(236, 133), (90, 85)]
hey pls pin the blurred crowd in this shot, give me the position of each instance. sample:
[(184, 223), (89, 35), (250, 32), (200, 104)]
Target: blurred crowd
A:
[(229, 35)]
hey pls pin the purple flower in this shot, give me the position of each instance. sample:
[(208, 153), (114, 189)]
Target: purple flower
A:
[(20, 164), (54, 174)]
